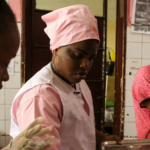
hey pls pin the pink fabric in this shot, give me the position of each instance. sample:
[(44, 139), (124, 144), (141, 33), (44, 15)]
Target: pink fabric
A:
[(42, 100), (16, 6), (70, 25), (141, 91), (129, 11)]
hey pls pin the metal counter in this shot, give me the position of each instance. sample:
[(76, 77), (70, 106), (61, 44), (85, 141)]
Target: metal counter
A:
[(127, 145)]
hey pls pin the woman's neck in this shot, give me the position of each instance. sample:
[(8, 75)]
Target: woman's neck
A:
[(59, 75)]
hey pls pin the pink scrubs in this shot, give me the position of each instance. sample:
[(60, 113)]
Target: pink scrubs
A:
[(42, 100)]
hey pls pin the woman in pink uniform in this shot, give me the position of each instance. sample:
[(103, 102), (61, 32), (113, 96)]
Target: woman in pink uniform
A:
[(141, 97), (58, 91)]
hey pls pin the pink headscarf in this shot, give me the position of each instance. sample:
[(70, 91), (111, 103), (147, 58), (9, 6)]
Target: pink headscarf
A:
[(140, 92), (70, 25)]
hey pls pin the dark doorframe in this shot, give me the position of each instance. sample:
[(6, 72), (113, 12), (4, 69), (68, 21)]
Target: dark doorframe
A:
[(121, 26)]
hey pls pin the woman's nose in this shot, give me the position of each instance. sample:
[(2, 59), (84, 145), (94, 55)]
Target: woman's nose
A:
[(85, 64), (5, 75)]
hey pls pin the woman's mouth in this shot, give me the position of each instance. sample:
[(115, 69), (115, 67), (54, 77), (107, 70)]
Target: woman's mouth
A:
[(81, 75)]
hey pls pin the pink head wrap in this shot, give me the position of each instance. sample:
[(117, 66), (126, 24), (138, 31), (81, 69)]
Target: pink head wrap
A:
[(70, 25), (140, 92)]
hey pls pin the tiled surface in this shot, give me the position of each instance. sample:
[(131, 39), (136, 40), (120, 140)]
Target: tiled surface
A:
[(7, 111), (146, 38), (130, 130), (146, 50), (133, 37), (129, 114), (134, 50), (2, 112), (129, 81), (132, 65), (9, 95), (18, 64), (7, 127), (19, 50), (19, 28), (14, 81), (145, 62), (1, 96), (2, 127), (128, 98)]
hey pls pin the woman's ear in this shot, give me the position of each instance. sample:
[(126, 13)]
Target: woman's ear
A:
[(55, 51)]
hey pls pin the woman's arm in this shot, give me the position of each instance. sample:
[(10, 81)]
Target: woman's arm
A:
[(100, 137)]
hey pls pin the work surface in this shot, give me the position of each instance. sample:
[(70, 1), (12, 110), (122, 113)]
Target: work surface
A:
[(127, 145)]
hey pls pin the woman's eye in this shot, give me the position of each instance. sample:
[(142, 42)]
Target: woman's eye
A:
[(91, 59), (77, 55)]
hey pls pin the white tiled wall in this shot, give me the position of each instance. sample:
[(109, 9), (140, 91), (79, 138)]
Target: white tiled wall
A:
[(137, 55), (6, 97)]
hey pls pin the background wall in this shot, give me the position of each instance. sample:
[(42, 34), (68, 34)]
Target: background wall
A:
[(137, 55), (95, 5), (6, 97), (111, 42)]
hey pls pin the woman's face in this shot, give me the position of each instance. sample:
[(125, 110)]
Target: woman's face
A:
[(147, 104), (8, 48), (74, 61)]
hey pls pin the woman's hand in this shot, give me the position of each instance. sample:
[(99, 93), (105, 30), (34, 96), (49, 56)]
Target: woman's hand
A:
[(112, 138), (100, 137), (30, 138)]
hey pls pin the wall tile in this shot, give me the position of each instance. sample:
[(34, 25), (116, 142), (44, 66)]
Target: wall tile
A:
[(132, 65), (145, 62), (20, 31), (19, 28), (7, 111), (7, 127), (146, 50), (134, 50), (1, 96), (19, 50), (2, 142), (129, 114), (2, 111), (129, 80), (146, 38), (128, 98), (133, 37), (130, 130), (2, 127), (9, 95), (14, 81), (8, 138), (18, 64)]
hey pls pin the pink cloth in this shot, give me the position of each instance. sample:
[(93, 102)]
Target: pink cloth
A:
[(141, 91), (70, 25), (129, 11), (42, 100), (16, 6)]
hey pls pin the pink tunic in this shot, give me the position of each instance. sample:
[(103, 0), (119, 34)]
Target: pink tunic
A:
[(42, 100), (140, 92)]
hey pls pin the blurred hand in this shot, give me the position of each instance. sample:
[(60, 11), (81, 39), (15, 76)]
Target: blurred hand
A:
[(30, 138)]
